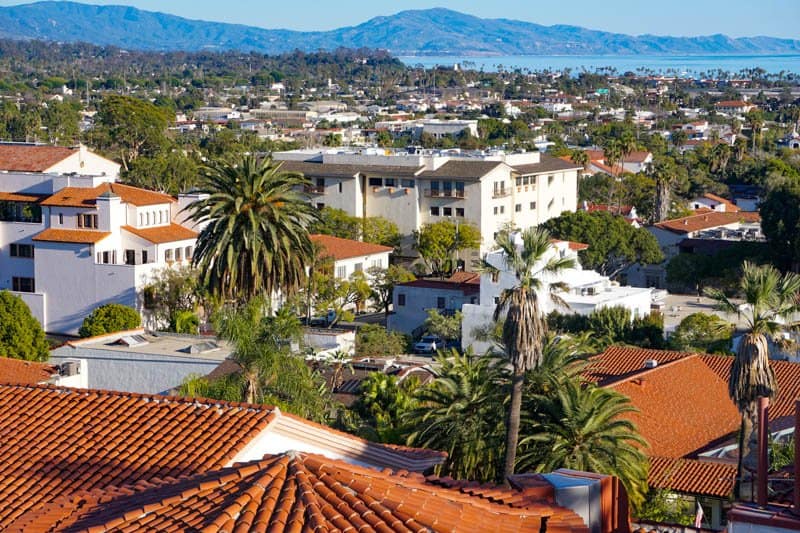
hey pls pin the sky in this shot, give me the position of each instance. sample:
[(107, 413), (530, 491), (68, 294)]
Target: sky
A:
[(736, 18)]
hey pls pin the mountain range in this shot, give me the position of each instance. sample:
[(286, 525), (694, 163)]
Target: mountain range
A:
[(435, 31)]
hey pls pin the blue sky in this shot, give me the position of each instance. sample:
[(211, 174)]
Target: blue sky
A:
[(777, 18)]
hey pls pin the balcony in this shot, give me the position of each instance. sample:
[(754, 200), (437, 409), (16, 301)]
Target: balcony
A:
[(501, 193), (314, 189), (441, 193)]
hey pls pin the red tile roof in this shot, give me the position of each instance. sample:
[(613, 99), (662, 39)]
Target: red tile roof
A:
[(683, 406), (163, 234), (17, 197), (31, 157), (733, 103), (87, 197), (711, 219), (729, 206), (58, 441), (294, 492), (624, 210), (692, 477), (75, 236), (622, 361), (25, 372), (346, 248)]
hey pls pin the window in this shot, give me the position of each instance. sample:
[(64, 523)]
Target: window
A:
[(526, 180), (141, 220), (22, 250), (359, 267), (161, 217), (550, 179), (23, 284), (106, 257), (518, 208), (447, 211), (502, 209), (375, 182), (495, 276), (519, 181), (496, 300), (144, 257), (401, 300), (320, 182), (448, 188), (147, 218), (460, 189), (496, 210), (434, 211), (389, 182), (408, 184), (130, 257), (340, 187), (459, 211), (87, 221), (435, 188), (320, 206), (20, 212), (168, 255), (188, 253), (440, 302), (341, 272), (178, 254), (61, 218), (376, 263), (533, 205)]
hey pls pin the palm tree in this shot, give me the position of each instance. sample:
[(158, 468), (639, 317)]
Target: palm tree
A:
[(584, 428), (627, 145), (579, 157), (720, 156), (461, 412), (524, 327), (663, 171), (769, 298), (756, 123), (255, 240)]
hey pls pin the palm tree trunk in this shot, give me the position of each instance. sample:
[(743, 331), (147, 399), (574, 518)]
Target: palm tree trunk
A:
[(737, 487), (512, 425)]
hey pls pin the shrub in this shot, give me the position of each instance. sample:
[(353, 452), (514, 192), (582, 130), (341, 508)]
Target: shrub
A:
[(702, 332), (186, 322), (373, 340), (21, 335), (108, 319)]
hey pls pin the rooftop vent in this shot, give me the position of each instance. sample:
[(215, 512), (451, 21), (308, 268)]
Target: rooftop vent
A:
[(131, 340), (650, 363), (69, 368), (201, 347)]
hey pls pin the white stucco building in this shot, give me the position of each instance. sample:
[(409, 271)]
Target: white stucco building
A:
[(587, 291), (72, 239), (490, 190)]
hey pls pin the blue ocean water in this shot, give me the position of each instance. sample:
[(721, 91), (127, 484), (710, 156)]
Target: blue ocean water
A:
[(687, 66)]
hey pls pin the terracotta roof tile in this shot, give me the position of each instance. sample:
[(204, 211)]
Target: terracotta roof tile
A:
[(294, 491), (621, 361), (17, 197), (31, 157), (339, 248), (692, 477), (58, 441), (76, 236), (702, 221), (683, 406), (163, 234), (25, 372), (729, 206), (87, 197)]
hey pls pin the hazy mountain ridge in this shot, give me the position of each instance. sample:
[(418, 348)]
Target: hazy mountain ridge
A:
[(435, 31)]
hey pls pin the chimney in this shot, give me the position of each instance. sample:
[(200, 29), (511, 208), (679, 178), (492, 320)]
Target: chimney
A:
[(763, 434)]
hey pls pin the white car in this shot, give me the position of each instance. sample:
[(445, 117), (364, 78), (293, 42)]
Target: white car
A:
[(428, 344)]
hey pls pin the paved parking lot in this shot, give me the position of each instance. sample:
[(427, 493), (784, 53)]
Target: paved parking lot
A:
[(679, 306)]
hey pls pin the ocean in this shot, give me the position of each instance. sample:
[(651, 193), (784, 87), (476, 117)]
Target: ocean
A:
[(686, 66)]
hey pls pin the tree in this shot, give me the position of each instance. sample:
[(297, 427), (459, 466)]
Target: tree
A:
[(755, 121), (613, 243), (373, 340), (379, 230), (780, 221), (172, 172), (173, 292), (584, 428), (255, 240), (461, 412), (109, 318), (579, 157), (437, 244), (524, 327), (702, 332), (382, 403), (21, 335), (339, 294), (338, 223), (383, 283), (663, 172), (444, 327), (769, 298)]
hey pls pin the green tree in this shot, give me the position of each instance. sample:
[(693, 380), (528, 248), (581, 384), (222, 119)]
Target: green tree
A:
[(21, 335), (339, 294), (612, 323), (383, 283), (109, 318), (382, 403), (255, 240), (438, 243), (373, 340), (173, 292), (445, 327), (702, 332), (780, 221), (172, 172), (338, 223), (769, 298), (613, 243), (524, 327), (579, 157), (61, 119), (379, 230), (664, 173), (584, 428), (461, 412)]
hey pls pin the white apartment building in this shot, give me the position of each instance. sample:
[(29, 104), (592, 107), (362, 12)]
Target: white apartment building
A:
[(489, 190), (72, 239), (587, 291)]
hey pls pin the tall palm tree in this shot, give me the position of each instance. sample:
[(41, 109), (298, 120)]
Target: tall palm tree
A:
[(524, 328), (584, 428), (580, 157), (461, 412), (755, 121), (769, 298), (663, 171), (255, 240)]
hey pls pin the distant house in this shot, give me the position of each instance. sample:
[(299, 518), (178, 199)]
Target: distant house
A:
[(633, 162), (734, 107), (790, 140), (628, 212), (351, 256), (714, 203)]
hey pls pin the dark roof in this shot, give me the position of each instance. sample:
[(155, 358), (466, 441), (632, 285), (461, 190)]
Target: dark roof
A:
[(465, 288), (462, 169), (547, 164), (309, 168)]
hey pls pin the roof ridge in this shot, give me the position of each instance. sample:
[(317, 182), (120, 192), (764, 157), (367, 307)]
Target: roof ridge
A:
[(647, 371)]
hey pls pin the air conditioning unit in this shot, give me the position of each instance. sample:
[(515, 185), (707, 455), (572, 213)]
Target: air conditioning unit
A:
[(70, 367), (650, 363)]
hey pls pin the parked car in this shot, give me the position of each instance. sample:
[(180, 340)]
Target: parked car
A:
[(428, 344)]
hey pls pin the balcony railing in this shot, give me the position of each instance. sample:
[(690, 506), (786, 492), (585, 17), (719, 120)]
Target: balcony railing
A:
[(501, 193), (312, 189), (440, 193)]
